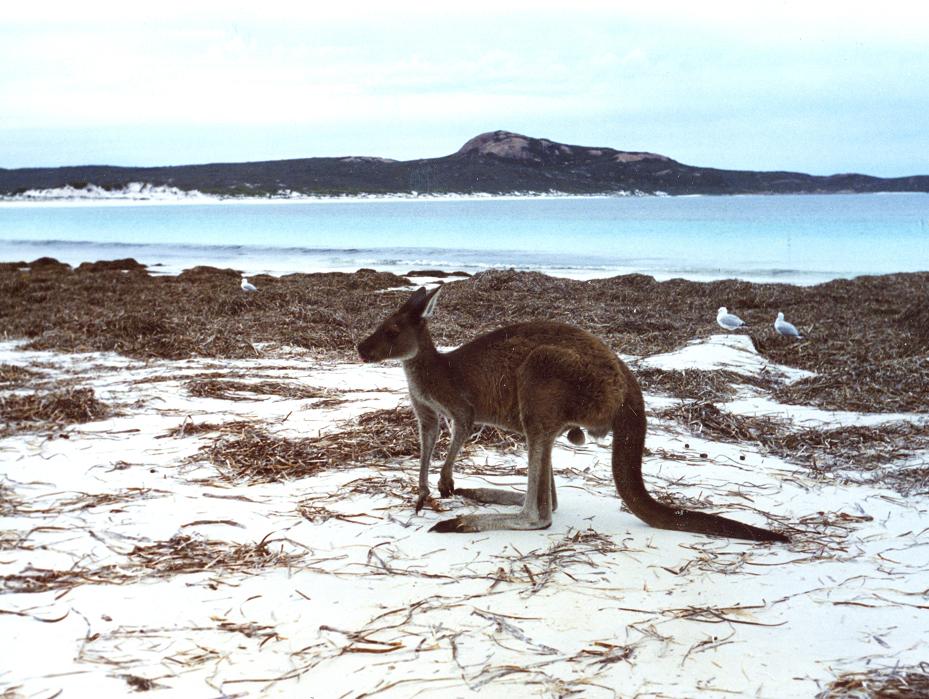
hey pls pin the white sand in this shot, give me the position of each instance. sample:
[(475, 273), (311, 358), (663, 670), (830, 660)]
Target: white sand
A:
[(598, 604)]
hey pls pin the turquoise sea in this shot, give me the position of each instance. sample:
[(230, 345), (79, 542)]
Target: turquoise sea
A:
[(801, 239)]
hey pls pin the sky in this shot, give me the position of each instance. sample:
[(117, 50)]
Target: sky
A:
[(819, 87)]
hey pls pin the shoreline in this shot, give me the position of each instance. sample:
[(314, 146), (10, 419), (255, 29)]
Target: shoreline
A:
[(256, 267), (198, 198), (195, 198)]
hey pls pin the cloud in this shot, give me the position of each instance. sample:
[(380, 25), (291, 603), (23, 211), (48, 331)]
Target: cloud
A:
[(373, 66)]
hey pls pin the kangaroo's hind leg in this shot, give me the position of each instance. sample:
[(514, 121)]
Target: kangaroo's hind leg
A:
[(542, 392), (536, 512), (498, 496)]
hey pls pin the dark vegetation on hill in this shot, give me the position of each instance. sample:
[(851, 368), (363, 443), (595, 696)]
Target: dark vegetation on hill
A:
[(495, 162)]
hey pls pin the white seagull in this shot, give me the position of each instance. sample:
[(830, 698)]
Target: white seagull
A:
[(728, 320), (247, 285), (785, 328)]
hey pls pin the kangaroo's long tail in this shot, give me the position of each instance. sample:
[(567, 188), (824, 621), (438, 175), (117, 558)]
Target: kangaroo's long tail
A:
[(628, 444)]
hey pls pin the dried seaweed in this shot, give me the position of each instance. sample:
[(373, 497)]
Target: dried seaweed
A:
[(897, 385), (392, 433), (865, 336), (178, 555), (51, 409), (184, 554), (201, 312), (698, 384), (189, 429), (866, 447), (577, 547), (911, 682), (32, 579), (78, 501), (877, 450), (705, 419), (259, 457), (226, 389), (254, 455), (9, 502), (14, 376)]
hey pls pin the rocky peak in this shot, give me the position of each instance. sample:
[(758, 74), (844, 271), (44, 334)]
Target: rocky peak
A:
[(505, 144), (514, 146)]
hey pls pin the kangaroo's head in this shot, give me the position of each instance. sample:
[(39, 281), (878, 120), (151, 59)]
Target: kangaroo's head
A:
[(397, 337)]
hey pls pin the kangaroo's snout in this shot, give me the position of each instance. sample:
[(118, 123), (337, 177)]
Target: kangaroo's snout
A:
[(364, 351)]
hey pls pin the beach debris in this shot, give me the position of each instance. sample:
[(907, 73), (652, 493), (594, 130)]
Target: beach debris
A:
[(255, 456), (200, 313), (700, 384), (189, 428), (50, 410), (706, 420), (888, 386), (188, 554), (14, 376), (228, 389), (784, 328), (179, 555), (247, 285), (126, 264), (855, 453), (249, 453), (898, 682), (727, 320)]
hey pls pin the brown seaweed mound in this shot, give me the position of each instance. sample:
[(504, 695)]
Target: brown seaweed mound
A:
[(866, 338), (53, 409)]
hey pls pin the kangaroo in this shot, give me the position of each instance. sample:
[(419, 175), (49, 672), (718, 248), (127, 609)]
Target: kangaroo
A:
[(540, 379)]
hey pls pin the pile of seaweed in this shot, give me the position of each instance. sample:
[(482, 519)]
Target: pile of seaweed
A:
[(874, 454), (200, 312), (243, 452), (910, 682), (15, 376), (866, 338), (50, 410), (699, 384)]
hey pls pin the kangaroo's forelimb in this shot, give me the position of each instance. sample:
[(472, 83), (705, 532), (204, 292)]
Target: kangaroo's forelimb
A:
[(428, 421)]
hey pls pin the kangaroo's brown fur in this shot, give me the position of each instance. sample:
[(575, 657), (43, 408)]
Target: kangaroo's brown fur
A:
[(539, 379)]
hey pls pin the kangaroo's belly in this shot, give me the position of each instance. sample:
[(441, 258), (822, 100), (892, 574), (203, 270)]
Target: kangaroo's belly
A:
[(511, 370)]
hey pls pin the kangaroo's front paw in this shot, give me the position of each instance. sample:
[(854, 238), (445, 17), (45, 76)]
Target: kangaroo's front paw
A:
[(456, 524), (421, 500), (446, 488)]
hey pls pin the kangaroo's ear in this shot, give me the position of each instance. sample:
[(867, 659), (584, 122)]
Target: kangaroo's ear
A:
[(421, 304), (416, 303), (431, 299)]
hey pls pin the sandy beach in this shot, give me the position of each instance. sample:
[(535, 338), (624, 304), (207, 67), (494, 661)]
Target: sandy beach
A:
[(205, 493)]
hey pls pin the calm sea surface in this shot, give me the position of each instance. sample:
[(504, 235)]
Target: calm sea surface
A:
[(798, 239)]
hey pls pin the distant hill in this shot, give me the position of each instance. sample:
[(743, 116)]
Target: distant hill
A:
[(498, 162)]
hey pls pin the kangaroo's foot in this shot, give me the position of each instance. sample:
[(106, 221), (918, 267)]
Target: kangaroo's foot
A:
[(421, 500), (446, 486), (483, 523), (492, 496)]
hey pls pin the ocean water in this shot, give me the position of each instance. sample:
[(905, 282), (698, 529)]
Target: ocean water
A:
[(802, 239)]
